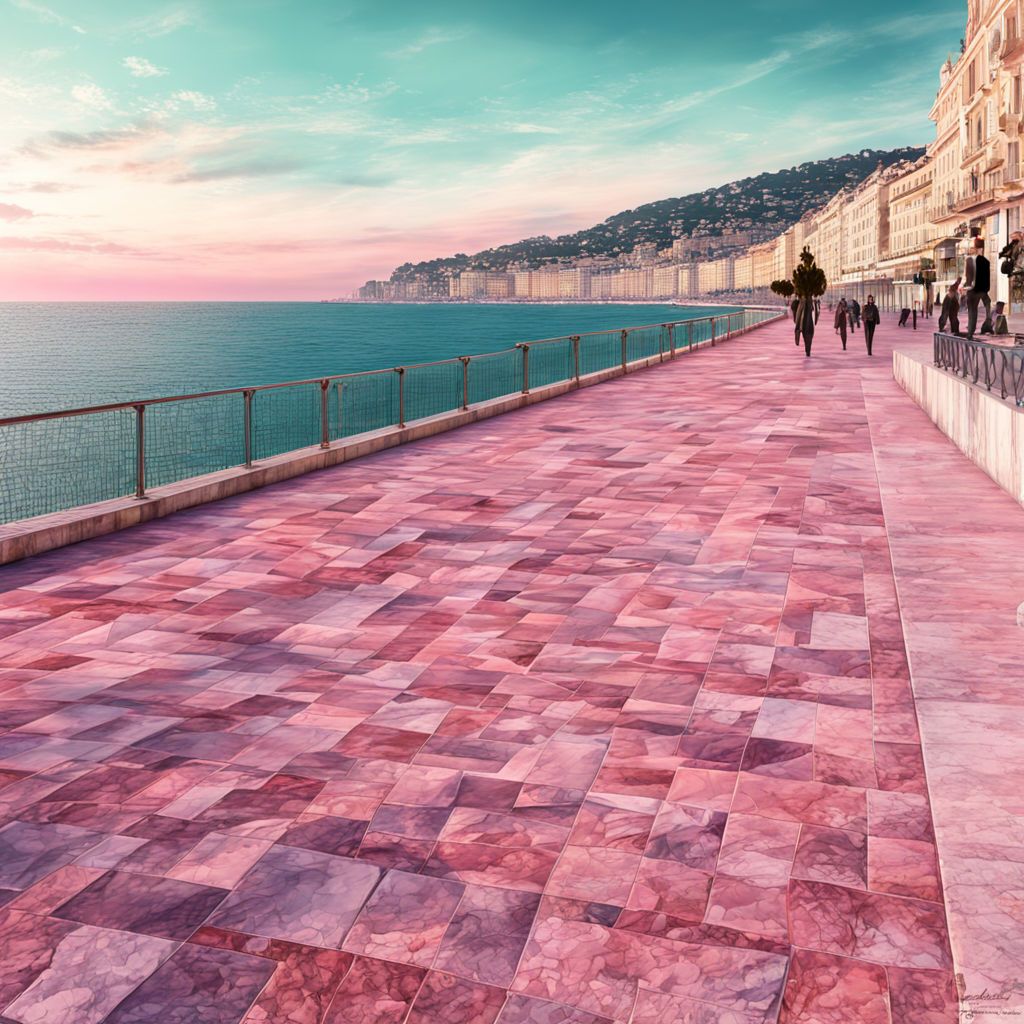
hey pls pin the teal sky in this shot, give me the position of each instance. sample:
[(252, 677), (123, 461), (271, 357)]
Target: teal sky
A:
[(271, 149)]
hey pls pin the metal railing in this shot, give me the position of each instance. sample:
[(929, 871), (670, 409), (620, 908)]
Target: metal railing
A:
[(54, 461), (999, 367)]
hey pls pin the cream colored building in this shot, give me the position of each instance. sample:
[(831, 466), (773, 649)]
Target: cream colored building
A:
[(908, 258), (666, 281), (743, 267), (480, 284), (977, 186), (689, 279), (762, 264)]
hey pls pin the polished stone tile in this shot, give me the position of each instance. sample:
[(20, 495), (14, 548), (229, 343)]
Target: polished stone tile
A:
[(299, 895), (196, 984), (405, 918)]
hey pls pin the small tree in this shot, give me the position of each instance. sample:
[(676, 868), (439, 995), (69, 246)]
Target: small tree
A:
[(808, 283)]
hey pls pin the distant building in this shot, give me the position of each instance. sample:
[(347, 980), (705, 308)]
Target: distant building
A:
[(484, 284)]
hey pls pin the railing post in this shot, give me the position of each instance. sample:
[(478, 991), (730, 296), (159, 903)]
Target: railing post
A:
[(624, 333), (140, 451), (400, 370), (247, 396), (712, 332), (689, 335), (661, 344), (526, 367), (672, 341), (575, 339), (465, 382), (325, 422)]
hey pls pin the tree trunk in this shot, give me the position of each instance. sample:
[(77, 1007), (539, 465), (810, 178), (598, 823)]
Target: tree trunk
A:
[(805, 323)]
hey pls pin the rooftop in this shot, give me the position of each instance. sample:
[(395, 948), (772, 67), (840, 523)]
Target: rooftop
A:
[(692, 696)]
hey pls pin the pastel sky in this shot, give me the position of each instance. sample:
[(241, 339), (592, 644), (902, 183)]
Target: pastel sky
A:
[(291, 149)]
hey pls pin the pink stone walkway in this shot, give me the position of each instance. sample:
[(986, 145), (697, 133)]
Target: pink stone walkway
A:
[(596, 713)]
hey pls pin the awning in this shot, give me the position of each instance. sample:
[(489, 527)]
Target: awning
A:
[(945, 251)]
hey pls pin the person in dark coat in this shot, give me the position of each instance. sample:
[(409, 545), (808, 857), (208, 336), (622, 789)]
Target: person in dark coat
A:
[(950, 313), (978, 281), (871, 321), (854, 315), (842, 320)]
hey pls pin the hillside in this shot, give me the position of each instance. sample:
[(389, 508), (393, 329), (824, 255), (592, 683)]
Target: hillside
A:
[(775, 200)]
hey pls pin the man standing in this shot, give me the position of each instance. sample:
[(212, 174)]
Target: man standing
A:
[(977, 280), (871, 321)]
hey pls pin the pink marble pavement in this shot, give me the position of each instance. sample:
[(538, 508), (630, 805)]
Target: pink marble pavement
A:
[(600, 712)]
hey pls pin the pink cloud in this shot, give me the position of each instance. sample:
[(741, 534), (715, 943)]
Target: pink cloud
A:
[(11, 212)]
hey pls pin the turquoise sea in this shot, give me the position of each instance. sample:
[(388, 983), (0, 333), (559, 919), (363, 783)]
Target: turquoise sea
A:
[(62, 355), (72, 355)]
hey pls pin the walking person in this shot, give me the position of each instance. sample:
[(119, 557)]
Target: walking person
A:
[(977, 281), (842, 318), (950, 313), (871, 321), (855, 315)]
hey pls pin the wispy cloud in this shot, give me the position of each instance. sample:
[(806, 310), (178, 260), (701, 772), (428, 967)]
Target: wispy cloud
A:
[(196, 100), (139, 67), (153, 26), (432, 37), (101, 139), (49, 187), (91, 95), (11, 212), (73, 245), (47, 15)]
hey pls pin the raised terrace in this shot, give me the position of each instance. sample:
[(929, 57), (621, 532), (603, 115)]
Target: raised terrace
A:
[(690, 697)]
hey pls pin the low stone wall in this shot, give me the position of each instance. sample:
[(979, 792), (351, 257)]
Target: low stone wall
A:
[(988, 429), (44, 533)]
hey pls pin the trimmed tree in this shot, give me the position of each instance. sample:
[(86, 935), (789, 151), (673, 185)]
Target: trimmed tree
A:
[(808, 283)]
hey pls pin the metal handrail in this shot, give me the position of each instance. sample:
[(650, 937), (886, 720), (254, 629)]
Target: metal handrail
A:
[(721, 325), (981, 362), (193, 396)]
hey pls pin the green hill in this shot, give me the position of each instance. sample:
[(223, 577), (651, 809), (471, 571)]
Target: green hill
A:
[(768, 202)]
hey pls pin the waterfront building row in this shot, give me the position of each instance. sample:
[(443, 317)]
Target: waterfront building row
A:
[(902, 233)]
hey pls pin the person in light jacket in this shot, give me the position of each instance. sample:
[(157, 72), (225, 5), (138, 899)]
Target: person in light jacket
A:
[(842, 320), (871, 321)]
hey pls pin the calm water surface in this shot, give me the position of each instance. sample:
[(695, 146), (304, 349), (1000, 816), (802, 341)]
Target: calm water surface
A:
[(62, 355)]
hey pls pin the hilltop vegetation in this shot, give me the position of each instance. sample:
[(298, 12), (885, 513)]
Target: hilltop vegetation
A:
[(772, 200)]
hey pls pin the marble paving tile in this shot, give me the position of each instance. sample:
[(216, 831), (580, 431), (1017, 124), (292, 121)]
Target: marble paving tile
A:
[(88, 972), (196, 983), (299, 895), (29, 851), (375, 992), (405, 918), (486, 935), (164, 907)]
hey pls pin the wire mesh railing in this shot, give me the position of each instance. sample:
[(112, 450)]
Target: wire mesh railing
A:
[(54, 461)]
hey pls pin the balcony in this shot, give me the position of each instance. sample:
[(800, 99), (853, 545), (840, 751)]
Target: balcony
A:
[(974, 199)]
